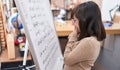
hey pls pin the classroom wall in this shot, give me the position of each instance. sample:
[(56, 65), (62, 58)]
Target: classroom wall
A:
[(99, 2), (58, 3), (62, 3), (106, 7)]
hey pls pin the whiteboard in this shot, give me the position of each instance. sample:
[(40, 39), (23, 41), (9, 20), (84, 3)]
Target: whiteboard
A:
[(41, 34)]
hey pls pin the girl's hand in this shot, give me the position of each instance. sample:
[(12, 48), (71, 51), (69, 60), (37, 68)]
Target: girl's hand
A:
[(76, 30)]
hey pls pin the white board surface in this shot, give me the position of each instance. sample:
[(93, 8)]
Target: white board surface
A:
[(41, 34)]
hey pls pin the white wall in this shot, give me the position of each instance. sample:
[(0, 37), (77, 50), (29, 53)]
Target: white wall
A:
[(107, 5)]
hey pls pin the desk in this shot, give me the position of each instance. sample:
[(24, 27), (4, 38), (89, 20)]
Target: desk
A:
[(66, 29), (114, 29)]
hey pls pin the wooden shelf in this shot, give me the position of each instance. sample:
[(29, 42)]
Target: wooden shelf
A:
[(4, 56)]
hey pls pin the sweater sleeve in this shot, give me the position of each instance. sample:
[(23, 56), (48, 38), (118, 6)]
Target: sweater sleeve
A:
[(72, 38), (82, 52)]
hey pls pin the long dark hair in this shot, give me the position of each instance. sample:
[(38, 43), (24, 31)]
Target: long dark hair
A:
[(90, 21)]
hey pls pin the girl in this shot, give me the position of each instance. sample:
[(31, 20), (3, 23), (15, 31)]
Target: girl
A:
[(83, 46)]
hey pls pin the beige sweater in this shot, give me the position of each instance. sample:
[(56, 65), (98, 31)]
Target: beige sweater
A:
[(81, 55)]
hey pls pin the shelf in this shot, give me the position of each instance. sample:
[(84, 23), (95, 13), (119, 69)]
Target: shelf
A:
[(4, 56)]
